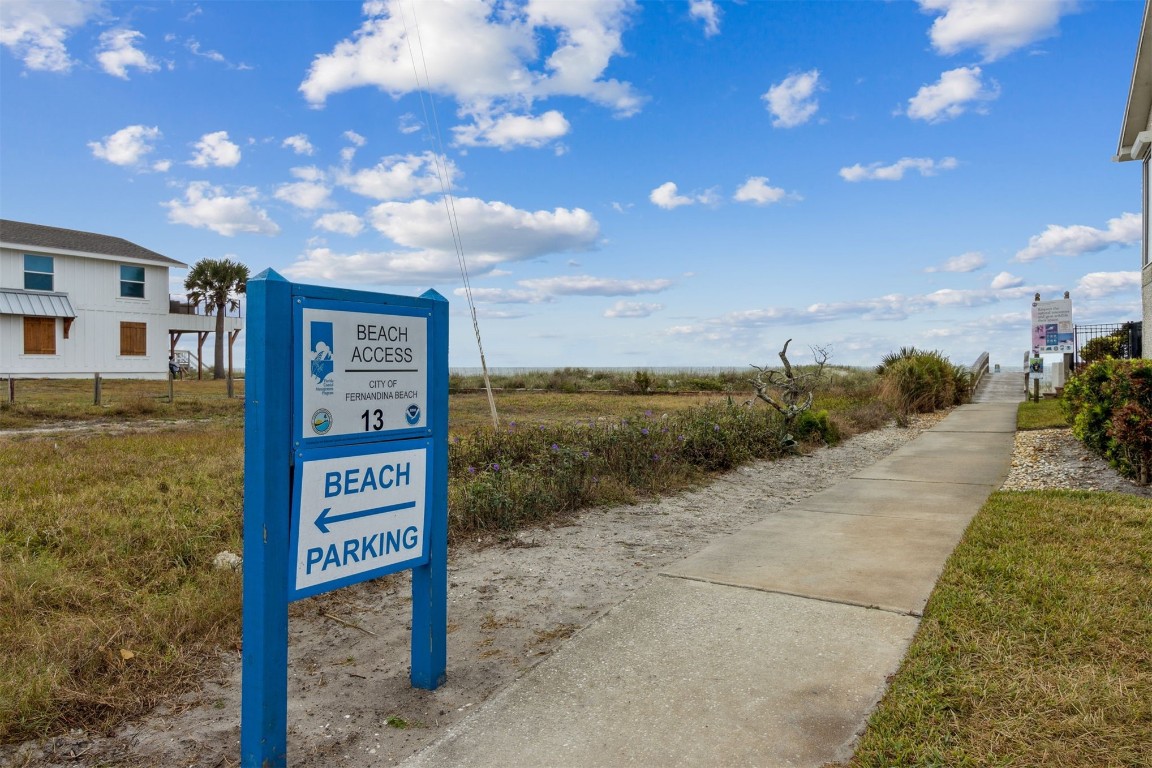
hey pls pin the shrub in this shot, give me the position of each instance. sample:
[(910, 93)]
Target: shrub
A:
[(915, 381), (1109, 405), (1103, 347)]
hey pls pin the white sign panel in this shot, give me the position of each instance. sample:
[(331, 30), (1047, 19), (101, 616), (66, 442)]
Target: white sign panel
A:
[(1052, 329), (363, 373), (358, 514)]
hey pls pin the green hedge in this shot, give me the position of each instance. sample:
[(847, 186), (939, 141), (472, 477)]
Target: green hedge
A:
[(1109, 405)]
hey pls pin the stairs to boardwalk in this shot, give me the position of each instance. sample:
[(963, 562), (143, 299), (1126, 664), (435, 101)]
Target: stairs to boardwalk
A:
[(1007, 387)]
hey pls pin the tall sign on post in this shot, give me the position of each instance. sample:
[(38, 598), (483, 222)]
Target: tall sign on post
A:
[(346, 474), (1052, 329)]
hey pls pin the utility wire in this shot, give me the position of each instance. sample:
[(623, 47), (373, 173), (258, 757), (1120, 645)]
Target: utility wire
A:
[(433, 127)]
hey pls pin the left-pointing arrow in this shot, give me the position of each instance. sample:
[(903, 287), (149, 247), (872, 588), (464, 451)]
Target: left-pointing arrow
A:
[(325, 519)]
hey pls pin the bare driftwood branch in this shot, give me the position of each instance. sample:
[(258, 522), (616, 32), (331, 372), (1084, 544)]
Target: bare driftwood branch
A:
[(793, 391)]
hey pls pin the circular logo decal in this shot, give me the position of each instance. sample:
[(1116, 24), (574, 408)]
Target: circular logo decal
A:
[(321, 421)]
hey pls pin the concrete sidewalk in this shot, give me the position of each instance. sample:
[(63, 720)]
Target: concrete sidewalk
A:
[(769, 647)]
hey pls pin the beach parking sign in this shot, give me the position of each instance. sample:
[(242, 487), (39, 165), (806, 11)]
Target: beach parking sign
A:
[(345, 474)]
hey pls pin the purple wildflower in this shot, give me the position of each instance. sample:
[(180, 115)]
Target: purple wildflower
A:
[(471, 470), (495, 467), (644, 431)]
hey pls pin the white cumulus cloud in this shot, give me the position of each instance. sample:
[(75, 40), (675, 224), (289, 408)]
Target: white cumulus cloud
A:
[(1006, 280), (925, 166), (341, 222), (757, 191), (707, 12), (1098, 285), (299, 144), (957, 91), (1078, 239), (35, 31), (667, 196), (965, 262), (993, 27), (400, 177), (489, 60), (308, 195), (492, 234), (127, 147), (209, 207), (510, 131), (792, 101), (118, 52), (214, 149)]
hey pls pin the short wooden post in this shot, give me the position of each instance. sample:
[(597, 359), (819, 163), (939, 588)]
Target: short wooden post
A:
[(171, 387), (1036, 390), (11, 388), (96, 389)]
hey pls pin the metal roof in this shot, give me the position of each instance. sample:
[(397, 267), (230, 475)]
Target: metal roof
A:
[(35, 303), (19, 234)]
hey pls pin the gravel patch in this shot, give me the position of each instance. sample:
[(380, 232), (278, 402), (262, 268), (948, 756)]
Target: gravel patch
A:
[(1052, 459)]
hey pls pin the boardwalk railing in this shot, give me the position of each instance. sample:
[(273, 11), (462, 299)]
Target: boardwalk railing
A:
[(978, 370)]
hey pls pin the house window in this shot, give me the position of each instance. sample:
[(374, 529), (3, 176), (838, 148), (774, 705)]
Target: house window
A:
[(38, 273), (133, 338), (39, 335), (131, 282)]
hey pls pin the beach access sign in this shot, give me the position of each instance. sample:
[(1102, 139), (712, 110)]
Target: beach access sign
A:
[(1052, 329), (345, 474), (362, 371)]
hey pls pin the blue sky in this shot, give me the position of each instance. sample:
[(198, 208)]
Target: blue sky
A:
[(634, 184)]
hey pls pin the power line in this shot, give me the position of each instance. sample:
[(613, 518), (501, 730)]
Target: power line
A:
[(433, 128)]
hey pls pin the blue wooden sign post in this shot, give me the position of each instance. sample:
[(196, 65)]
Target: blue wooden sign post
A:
[(346, 474)]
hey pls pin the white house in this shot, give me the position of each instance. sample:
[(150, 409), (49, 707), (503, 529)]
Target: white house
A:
[(1135, 142), (77, 303)]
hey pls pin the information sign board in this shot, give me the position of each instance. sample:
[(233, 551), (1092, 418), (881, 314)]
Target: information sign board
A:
[(358, 512), (1052, 329), (363, 369)]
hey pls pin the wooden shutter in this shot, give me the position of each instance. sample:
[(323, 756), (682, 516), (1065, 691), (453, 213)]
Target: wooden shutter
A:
[(39, 335), (133, 338)]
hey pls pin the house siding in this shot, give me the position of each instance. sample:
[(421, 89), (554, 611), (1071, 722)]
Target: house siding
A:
[(93, 344)]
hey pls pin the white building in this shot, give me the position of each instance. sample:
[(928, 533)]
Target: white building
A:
[(1135, 143), (77, 303)]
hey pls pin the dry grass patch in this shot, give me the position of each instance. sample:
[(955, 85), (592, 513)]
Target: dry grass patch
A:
[(1036, 646), (108, 596), (41, 402)]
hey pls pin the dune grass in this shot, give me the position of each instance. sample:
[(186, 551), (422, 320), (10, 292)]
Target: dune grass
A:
[(1036, 646)]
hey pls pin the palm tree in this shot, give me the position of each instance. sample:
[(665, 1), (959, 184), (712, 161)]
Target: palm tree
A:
[(217, 283)]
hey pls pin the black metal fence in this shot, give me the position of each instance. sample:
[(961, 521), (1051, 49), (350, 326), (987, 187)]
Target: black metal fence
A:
[(1120, 340)]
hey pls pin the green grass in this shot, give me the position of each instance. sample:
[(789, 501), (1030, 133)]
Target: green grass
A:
[(1045, 414), (1036, 645)]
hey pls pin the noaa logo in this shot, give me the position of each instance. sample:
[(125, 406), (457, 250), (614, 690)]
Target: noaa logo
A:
[(321, 421), (412, 414)]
